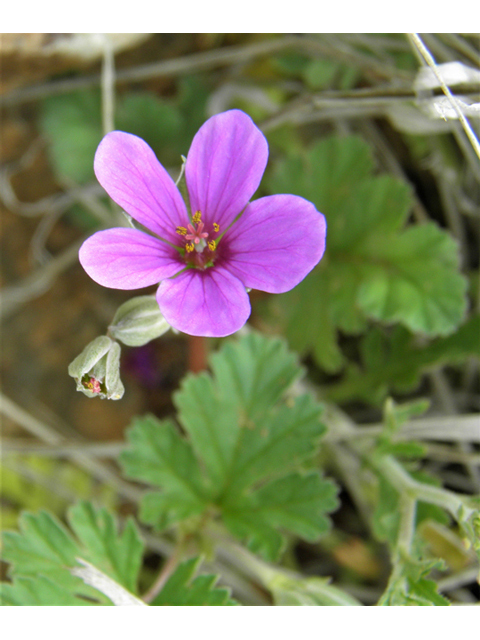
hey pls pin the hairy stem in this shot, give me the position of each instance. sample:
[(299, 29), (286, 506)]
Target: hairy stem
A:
[(405, 484)]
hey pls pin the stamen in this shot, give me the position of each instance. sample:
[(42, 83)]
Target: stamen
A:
[(181, 230), (189, 247), (212, 245), (216, 227), (93, 385), (197, 217)]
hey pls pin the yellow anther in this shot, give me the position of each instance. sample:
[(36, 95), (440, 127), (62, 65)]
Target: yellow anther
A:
[(189, 247), (197, 217), (216, 227), (181, 230), (212, 245)]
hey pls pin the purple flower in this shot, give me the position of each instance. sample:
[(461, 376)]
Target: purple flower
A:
[(204, 260)]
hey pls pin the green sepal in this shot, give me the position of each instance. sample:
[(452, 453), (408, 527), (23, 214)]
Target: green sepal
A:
[(138, 321), (97, 370)]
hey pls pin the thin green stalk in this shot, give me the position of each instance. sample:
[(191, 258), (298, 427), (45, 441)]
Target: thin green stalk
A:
[(403, 547), (406, 532), (405, 484), (278, 579)]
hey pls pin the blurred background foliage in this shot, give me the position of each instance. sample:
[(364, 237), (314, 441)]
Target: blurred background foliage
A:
[(391, 311)]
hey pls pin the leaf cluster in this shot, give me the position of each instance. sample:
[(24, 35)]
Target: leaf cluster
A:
[(244, 458), (44, 551), (43, 556), (394, 360), (377, 268)]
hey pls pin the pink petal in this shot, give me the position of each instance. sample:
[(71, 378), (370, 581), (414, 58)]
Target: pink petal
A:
[(204, 303), (275, 243), (130, 173), (128, 259), (224, 166)]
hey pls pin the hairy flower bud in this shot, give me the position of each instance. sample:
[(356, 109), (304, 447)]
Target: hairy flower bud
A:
[(97, 369), (138, 321)]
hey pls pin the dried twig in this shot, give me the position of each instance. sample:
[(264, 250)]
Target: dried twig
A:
[(47, 434), (426, 55), (35, 284)]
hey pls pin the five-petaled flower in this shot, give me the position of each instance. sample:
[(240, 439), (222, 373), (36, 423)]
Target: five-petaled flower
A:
[(205, 259)]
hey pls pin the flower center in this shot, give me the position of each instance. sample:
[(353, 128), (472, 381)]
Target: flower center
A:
[(92, 383), (199, 252)]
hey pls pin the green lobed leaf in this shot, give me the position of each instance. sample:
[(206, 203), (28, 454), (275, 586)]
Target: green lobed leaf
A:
[(345, 161), (193, 95), (39, 591), (255, 371), (44, 549), (159, 456), (42, 545), (411, 587), (395, 360), (310, 322), (415, 282), (374, 267), (295, 503), (237, 426), (245, 449), (183, 589), (425, 592), (377, 206), (43, 558), (145, 115), (249, 526), (73, 126), (42, 553), (285, 440), (212, 421), (118, 555)]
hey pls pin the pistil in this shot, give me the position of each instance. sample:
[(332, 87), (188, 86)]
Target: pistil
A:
[(196, 235), (200, 248)]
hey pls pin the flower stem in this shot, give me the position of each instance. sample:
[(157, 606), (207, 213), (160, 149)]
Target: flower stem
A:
[(166, 571), (197, 354)]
